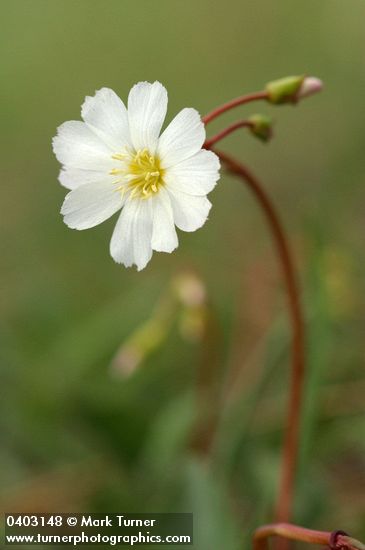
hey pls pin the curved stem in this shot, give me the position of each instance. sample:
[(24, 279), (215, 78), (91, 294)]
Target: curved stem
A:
[(242, 100), (226, 132), (293, 532), (288, 531), (291, 442)]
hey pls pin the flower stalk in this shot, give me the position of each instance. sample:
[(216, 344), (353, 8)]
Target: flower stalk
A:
[(335, 540), (242, 100), (282, 91), (291, 442), (226, 132), (259, 126)]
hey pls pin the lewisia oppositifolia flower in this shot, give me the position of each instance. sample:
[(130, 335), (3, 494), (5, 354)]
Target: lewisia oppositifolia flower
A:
[(117, 160)]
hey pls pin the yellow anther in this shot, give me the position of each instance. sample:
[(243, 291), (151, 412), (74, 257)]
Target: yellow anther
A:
[(140, 174), (119, 156)]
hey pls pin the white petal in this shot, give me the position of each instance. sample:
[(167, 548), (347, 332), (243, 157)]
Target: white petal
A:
[(196, 175), (190, 212), (74, 177), (147, 106), (164, 238), (91, 204), (107, 115), (77, 146), (183, 137), (131, 240)]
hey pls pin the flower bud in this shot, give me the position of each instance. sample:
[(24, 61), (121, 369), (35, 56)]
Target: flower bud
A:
[(261, 126), (311, 85), (292, 88)]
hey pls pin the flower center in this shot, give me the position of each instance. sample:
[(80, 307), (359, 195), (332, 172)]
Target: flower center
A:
[(140, 173)]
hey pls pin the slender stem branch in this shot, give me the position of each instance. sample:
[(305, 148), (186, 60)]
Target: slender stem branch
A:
[(226, 132), (335, 540), (288, 531), (291, 441), (242, 100)]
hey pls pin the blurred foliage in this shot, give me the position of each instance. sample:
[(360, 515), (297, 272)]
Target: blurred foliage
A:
[(76, 437)]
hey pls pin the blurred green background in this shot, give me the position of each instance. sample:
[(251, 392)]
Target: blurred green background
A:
[(77, 434)]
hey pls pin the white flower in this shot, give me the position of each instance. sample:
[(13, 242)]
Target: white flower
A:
[(116, 159)]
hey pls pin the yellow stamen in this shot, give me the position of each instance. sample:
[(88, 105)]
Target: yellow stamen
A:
[(140, 173), (119, 156)]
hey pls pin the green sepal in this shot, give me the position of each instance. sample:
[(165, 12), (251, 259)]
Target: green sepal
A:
[(261, 126), (284, 90)]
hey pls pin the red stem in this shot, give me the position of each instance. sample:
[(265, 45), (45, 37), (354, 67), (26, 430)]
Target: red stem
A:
[(224, 133), (288, 531), (291, 442), (336, 540), (256, 96)]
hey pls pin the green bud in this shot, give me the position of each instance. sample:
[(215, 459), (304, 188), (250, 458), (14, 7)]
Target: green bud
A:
[(261, 127), (284, 90)]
